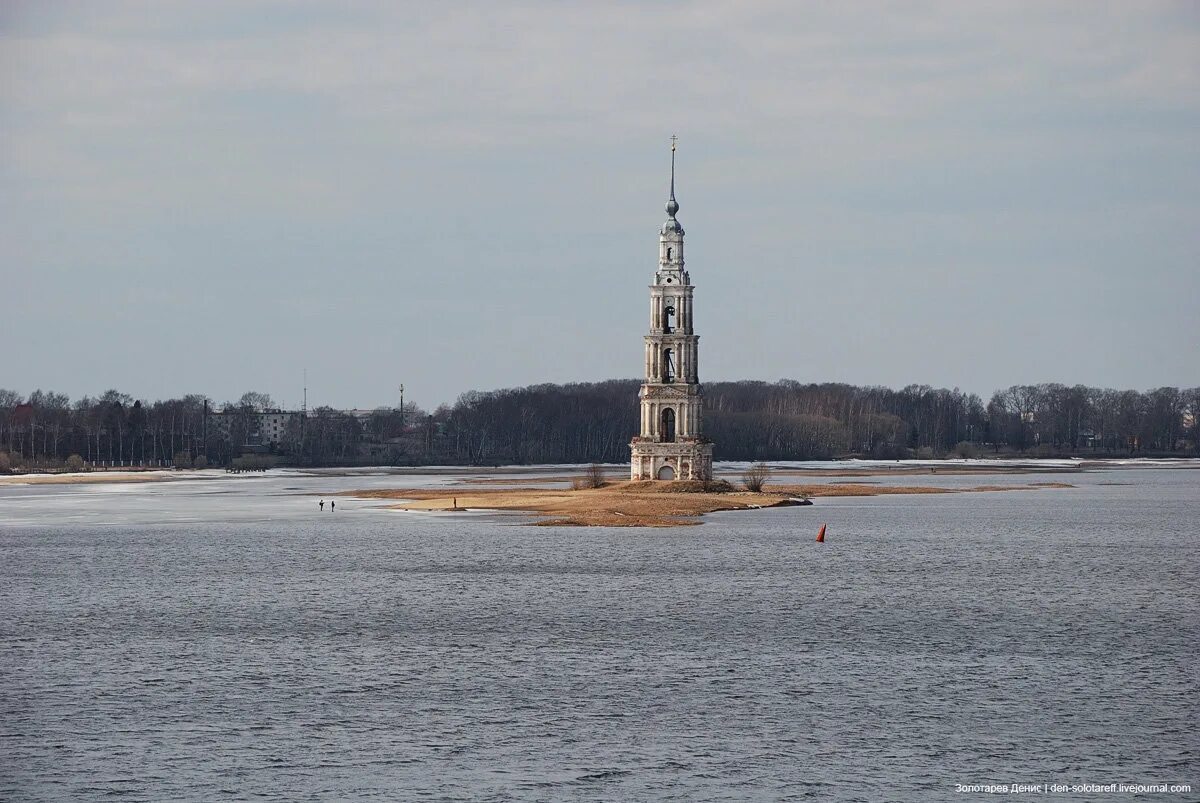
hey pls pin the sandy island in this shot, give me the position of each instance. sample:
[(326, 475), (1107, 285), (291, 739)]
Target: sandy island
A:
[(641, 504)]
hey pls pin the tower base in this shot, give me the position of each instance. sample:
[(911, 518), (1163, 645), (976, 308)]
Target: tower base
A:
[(687, 460)]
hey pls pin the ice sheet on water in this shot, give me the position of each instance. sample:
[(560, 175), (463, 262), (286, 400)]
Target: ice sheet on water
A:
[(203, 496), (216, 496)]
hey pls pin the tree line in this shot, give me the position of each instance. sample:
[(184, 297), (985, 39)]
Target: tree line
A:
[(789, 420), (593, 422)]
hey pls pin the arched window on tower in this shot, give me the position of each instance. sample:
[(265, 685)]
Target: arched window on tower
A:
[(668, 252), (668, 425), (668, 366), (668, 324)]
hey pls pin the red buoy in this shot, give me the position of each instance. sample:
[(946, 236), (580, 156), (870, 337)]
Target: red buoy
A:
[(821, 535)]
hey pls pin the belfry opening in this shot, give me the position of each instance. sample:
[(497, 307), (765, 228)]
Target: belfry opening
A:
[(668, 425), (670, 444)]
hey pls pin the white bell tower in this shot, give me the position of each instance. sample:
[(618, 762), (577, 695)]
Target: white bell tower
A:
[(670, 445)]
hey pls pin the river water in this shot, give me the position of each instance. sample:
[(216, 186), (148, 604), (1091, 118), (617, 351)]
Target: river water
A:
[(222, 639)]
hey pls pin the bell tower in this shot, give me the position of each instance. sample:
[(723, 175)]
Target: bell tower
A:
[(670, 445)]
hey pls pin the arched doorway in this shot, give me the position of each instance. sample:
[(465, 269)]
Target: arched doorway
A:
[(666, 473), (668, 426)]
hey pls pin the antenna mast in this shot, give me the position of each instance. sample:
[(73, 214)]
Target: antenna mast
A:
[(303, 416)]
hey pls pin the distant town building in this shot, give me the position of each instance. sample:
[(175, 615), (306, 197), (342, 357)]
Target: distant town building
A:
[(273, 425), (670, 444), (266, 427)]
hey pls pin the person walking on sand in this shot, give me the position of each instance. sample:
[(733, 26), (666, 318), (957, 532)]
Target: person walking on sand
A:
[(322, 504), (332, 505)]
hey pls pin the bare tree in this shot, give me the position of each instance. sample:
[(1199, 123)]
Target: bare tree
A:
[(593, 477), (258, 402), (756, 477)]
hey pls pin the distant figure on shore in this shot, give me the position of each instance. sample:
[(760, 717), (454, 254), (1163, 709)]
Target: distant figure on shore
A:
[(322, 504), (332, 505)]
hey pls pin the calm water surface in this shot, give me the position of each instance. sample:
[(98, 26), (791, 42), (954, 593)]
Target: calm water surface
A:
[(222, 639)]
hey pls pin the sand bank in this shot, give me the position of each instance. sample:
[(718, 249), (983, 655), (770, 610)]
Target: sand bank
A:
[(639, 504)]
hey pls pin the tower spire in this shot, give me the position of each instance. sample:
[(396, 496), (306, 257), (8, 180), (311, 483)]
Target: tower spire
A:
[(672, 205), (673, 139)]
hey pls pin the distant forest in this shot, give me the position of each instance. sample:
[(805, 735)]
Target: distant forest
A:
[(788, 420), (593, 422)]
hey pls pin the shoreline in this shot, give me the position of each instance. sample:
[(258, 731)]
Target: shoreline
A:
[(105, 475), (518, 475)]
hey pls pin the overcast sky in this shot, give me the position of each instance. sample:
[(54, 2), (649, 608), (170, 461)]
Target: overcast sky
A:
[(213, 196)]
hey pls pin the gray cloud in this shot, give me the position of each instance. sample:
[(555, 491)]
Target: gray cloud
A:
[(466, 195)]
